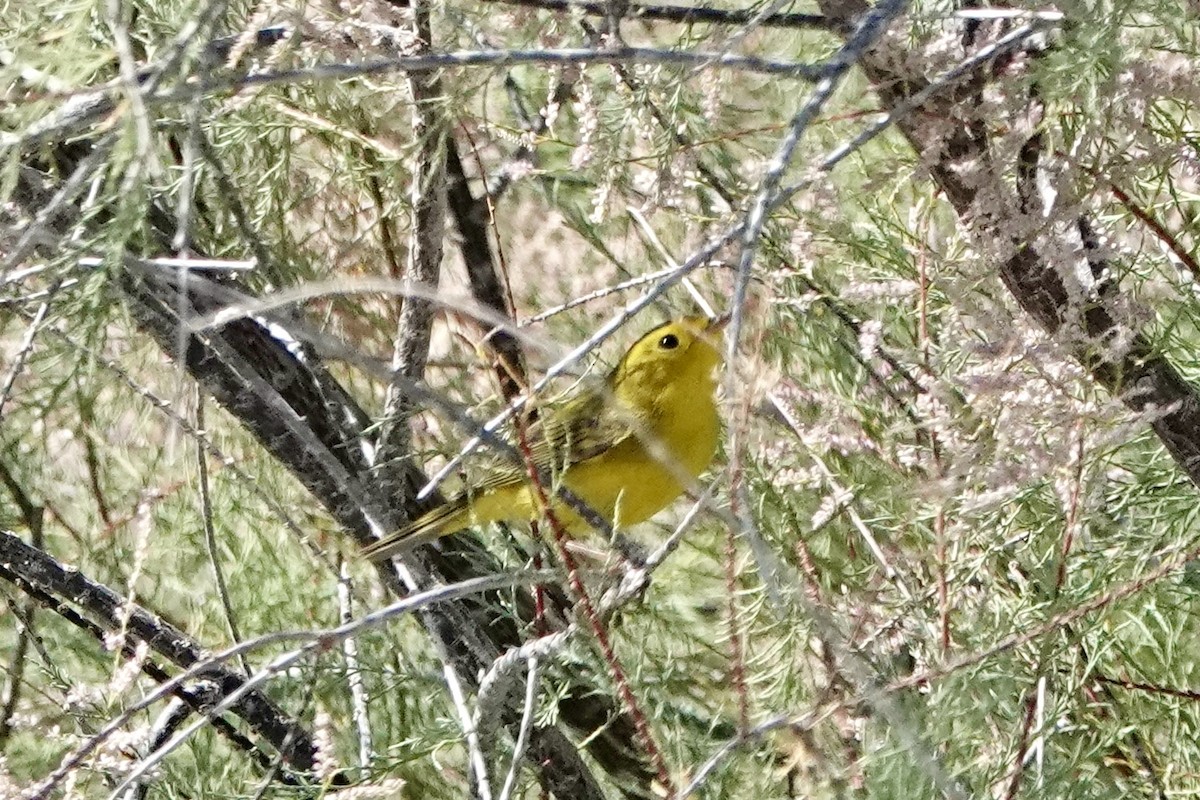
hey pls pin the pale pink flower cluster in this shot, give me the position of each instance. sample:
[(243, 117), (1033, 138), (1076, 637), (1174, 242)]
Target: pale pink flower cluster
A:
[(831, 504), (779, 456), (712, 93), (82, 695), (8, 786), (800, 248), (600, 198), (886, 290), (870, 333), (549, 111), (1030, 399), (519, 169), (589, 122), (325, 762), (835, 432), (129, 671), (1147, 80), (115, 757), (674, 177)]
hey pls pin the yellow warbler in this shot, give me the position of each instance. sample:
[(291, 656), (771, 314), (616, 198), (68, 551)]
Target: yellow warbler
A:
[(626, 448)]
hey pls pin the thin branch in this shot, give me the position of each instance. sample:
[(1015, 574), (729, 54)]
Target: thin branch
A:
[(35, 569), (316, 642), (471, 217), (163, 727), (354, 676), (530, 706), (533, 127), (869, 30), (25, 349), (210, 529), (1158, 229), (686, 15), (584, 601), (428, 213), (14, 674), (434, 62)]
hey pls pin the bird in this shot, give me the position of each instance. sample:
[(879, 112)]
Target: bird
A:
[(627, 447)]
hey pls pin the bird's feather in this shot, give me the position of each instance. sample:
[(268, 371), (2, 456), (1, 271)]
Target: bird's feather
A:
[(584, 427)]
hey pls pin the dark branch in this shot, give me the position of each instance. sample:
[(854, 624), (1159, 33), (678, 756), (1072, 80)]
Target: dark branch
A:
[(471, 216), (51, 585), (1134, 372), (683, 14)]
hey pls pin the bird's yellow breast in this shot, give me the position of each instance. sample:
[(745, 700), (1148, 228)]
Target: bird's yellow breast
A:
[(645, 473), (633, 480)]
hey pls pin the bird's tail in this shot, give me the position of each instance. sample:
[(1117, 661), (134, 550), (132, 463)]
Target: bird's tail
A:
[(441, 521)]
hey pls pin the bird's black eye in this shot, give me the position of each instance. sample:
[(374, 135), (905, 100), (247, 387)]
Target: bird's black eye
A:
[(669, 342)]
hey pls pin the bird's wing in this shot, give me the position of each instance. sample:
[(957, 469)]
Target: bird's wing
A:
[(584, 427)]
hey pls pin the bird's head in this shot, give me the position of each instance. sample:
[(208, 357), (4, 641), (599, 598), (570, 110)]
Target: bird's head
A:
[(678, 355)]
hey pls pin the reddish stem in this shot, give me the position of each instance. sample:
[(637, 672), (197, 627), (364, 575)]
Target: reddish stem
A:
[(1019, 767), (1157, 228), (640, 723)]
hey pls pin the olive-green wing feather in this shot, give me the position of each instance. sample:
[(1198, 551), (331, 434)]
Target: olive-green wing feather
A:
[(582, 428)]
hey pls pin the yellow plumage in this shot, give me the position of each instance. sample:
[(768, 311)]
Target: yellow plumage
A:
[(627, 448)]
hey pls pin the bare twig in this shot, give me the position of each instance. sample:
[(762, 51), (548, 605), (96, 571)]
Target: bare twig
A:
[(242, 692), (682, 14), (358, 692), (26, 347), (15, 672), (868, 31), (471, 217), (37, 570), (428, 204), (434, 62), (316, 643), (628, 699), (530, 707), (475, 756), (210, 530)]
